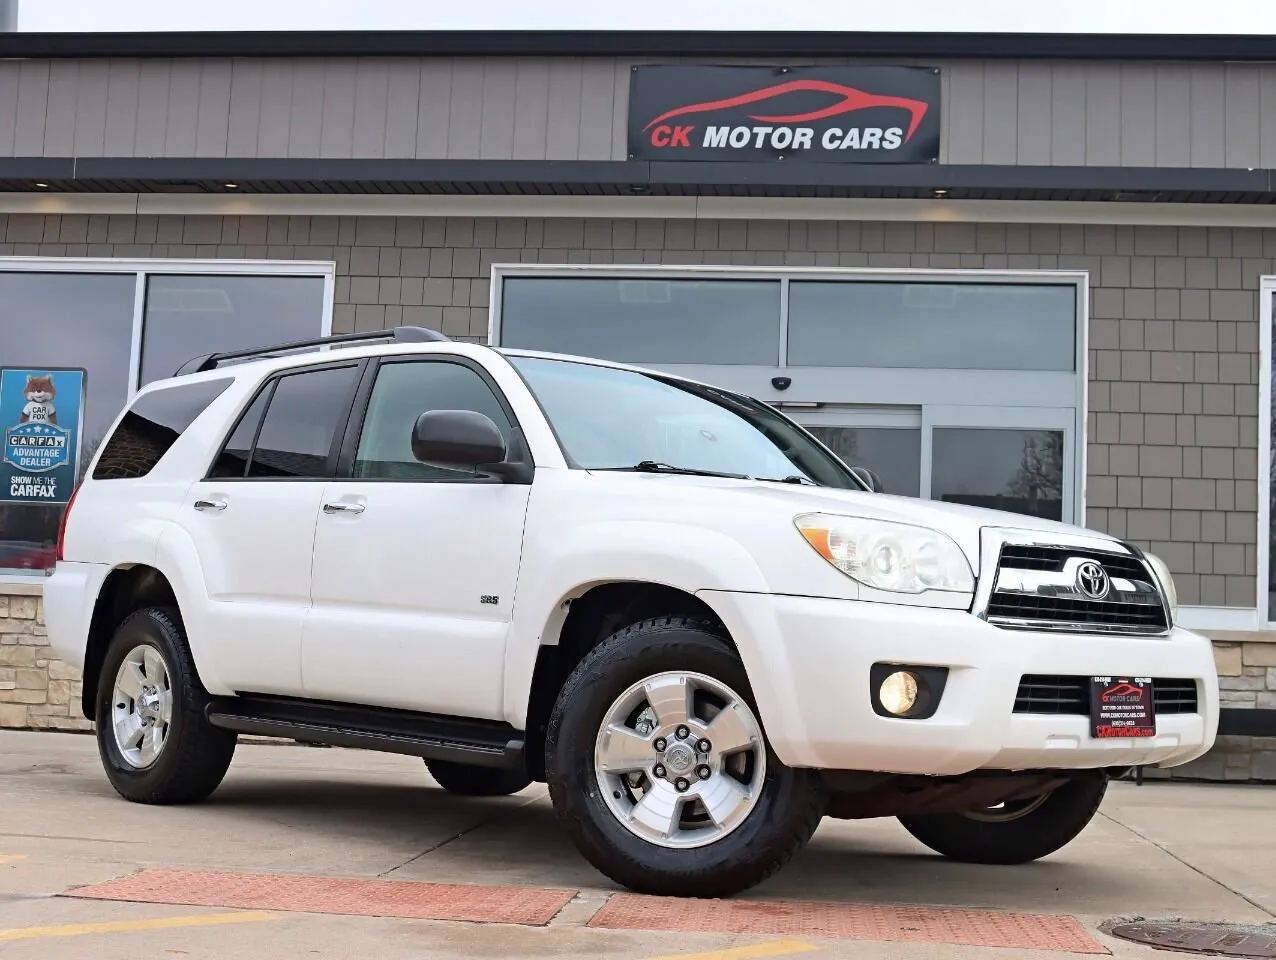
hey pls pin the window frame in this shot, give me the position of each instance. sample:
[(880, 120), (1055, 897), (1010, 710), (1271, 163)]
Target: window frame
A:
[(267, 388), (144, 267), (349, 446)]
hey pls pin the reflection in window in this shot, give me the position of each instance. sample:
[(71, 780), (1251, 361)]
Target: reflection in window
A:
[(644, 320), (191, 315), (1020, 471), (947, 326), (63, 320), (894, 454), (402, 393)]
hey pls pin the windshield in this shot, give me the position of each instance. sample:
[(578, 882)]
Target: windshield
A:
[(609, 419)]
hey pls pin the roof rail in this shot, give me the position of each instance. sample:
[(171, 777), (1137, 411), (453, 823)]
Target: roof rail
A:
[(210, 361)]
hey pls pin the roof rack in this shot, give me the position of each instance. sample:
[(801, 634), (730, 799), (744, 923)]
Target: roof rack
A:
[(210, 361)]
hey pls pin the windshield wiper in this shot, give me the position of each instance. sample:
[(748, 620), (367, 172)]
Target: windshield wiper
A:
[(653, 466), (792, 478)]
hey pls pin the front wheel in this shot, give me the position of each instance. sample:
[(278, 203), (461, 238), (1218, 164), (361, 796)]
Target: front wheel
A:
[(1015, 832), (660, 771)]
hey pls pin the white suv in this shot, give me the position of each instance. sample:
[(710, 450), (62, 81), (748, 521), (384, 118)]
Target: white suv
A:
[(668, 601)]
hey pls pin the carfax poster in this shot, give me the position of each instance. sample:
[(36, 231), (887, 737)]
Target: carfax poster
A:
[(41, 415)]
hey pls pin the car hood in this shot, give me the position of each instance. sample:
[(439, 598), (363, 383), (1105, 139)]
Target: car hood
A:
[(962, 523)]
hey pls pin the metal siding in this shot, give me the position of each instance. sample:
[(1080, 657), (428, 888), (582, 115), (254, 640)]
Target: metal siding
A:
[(1138, 115), (1243, 121), (465, 117), (562, 132), (964, 109), (336, 130), (1036, 108), (1001, 113), (247, 93), (434, 109), (1267, 108), (620, 115), (305, 116), (90, 108), (1173, 117), (403, 86), (1103, 101), (33, 107), (213, 121), (152, 107), (123, 84), (496, 133), (59, 121), (10, 80), (371, 97), (183, 108), (276, 109), (1208, 117), (597, 107), (531, 110), (1068, 114)]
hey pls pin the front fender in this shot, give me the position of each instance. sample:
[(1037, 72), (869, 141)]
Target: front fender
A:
[(566, 565)]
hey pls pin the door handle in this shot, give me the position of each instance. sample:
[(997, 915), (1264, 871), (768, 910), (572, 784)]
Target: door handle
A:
[(209, 504), (331, 508)]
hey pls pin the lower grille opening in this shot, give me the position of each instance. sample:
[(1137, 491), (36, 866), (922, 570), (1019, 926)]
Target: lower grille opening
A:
[(1070, 696)]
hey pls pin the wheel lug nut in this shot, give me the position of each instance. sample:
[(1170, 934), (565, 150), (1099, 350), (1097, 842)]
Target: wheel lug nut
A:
[(659, 770), (703, 771), (681, 785), (682, 733), (703, 746), (660, 744)]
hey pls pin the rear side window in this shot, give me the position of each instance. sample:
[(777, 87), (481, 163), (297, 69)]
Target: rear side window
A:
[(152, 425), (295, 439)]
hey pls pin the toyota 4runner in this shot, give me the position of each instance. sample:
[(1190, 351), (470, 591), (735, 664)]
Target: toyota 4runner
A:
[(667, 601)]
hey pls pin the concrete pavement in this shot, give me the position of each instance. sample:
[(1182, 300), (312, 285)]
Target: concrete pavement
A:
[(1161, 851)]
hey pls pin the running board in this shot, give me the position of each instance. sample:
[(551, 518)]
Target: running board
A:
[(480, 743)]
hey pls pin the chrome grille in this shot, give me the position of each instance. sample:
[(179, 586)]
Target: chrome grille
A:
[(1070, 696), (1043, 588)]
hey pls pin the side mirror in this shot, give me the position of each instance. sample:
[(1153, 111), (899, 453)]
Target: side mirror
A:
[(457, 439), (868, 478)]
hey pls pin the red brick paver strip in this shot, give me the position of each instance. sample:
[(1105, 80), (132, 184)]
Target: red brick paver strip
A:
[(529, 906), (849, 921)]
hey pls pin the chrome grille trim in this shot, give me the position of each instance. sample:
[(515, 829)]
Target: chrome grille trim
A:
[(1026, 596)]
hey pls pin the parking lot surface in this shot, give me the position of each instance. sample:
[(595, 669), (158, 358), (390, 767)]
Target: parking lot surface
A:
[(330, 853)]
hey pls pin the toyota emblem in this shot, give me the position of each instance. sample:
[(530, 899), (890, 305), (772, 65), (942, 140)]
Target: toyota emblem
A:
[(1093, 581)]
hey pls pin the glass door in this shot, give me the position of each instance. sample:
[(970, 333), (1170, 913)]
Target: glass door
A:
[(887, 441), (1020, 459)]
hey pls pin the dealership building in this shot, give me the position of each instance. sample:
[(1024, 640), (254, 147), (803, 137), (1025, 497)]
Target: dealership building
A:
[(1021, 271)]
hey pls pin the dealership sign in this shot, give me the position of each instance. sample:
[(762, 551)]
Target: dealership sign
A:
[(828, 114)]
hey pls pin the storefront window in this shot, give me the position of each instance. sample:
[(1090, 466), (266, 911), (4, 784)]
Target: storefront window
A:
[(74, 331)]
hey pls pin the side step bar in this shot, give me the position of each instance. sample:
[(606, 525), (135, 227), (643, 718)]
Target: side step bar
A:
[(480, 743)]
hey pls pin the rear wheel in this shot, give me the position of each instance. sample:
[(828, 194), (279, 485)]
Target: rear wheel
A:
[(660, 770), (1015, 832), (155, 743), (471, 781)]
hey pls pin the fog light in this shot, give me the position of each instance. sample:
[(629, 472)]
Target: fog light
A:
[(898, 693)]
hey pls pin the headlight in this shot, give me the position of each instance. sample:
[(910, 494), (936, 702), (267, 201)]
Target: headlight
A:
[(896, 557), (1162, 571)]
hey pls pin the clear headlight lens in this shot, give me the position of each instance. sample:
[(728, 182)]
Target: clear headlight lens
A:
[(896, 557), (1162, 571)]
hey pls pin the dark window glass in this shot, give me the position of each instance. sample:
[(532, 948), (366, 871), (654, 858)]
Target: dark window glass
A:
[(893, 454), (305, 412), (187, 316), (233, 460), (644, 321), (1020, 471), (151, 426), (949, 326), (402, 393), (63, 320)]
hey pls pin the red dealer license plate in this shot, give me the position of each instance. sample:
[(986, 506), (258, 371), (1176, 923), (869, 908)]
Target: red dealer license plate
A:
[(1121, 707)]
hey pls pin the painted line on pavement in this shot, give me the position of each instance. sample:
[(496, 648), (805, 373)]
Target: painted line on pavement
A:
[(133, 926), (776, 948), (11, 857)]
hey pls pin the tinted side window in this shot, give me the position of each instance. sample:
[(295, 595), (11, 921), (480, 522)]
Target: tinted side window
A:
[(151, 426), (233, 460), (404, 391), (305, 412)]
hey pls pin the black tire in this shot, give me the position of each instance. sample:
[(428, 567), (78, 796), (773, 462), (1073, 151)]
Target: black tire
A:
[(1038, 833), (470, 781), (788, 810), (195, 754)]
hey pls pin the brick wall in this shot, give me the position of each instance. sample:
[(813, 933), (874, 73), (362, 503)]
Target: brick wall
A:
[(37, 691)]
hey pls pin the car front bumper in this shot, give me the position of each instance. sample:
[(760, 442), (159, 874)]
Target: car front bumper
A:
[(809, 661)]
